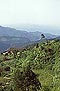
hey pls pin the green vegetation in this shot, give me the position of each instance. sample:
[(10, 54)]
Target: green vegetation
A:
[(40, 59)]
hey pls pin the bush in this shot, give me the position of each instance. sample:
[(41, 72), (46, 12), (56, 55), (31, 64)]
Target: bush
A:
[(26, 79)]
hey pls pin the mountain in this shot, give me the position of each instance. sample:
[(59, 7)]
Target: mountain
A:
[(8, 42), (10, 37), (58, 37), (32, 36)]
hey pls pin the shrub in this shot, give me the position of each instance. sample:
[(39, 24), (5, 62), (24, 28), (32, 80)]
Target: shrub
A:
[(26, 79)]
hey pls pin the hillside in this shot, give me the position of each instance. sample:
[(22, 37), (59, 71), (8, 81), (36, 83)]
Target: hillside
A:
[(32, 36), (7, 42), (10, 37), (42, 58)]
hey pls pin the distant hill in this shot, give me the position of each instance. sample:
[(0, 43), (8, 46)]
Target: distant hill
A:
[(58, 37), (32, 36), (8, 42), (10, 37)]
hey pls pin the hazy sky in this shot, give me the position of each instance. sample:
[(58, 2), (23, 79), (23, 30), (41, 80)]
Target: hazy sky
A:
[(42, 12)]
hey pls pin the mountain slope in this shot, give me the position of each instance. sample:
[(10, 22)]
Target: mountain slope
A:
[(10, 37), (32, 36), (8, 42), (42, 58)]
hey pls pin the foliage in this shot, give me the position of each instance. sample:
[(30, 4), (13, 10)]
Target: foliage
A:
[(25, 80), (43, 59)]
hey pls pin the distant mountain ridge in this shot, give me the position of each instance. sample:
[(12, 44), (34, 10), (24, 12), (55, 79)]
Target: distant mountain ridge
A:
[(10, 37), (33, 36)]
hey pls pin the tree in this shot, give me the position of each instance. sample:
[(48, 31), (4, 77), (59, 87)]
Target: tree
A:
[(42, 36)]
